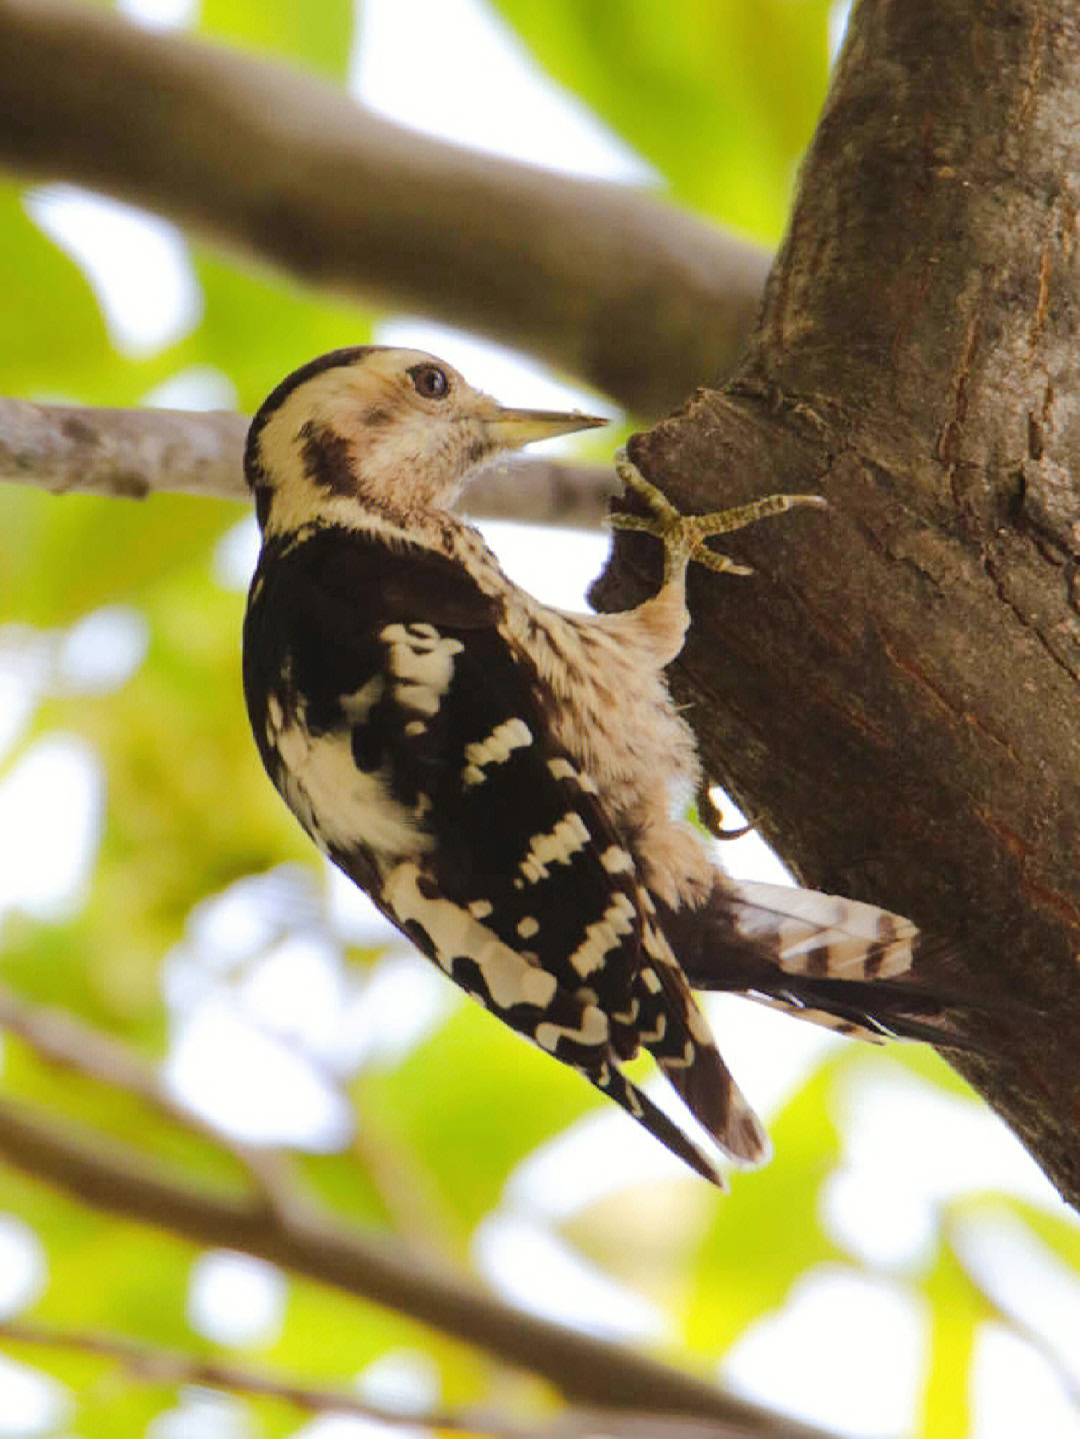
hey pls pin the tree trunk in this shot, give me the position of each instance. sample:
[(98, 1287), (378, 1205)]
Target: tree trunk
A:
[(895, 692)]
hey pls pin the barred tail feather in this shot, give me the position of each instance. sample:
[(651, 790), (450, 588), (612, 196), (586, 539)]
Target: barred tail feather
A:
[(849, 966), (889, 1012), (822, 934)]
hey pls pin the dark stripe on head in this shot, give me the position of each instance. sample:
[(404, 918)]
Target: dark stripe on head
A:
[(335, 359), (326, 460), (262, 495)]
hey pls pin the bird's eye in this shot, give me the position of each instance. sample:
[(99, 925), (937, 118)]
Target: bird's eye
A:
[(429, 381)]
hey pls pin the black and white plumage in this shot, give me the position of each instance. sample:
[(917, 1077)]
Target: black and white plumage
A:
[(502, 777)]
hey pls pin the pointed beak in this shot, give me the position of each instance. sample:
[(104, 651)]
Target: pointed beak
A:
[(510, 429)]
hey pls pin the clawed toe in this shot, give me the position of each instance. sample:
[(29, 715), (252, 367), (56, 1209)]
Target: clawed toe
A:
[(684, 536)]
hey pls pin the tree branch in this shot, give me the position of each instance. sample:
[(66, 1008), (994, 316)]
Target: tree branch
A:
[(155, 1365), (112, 1179), (896, 690), (131, 454), (627, 293), (58, 1038), (158, 1366)]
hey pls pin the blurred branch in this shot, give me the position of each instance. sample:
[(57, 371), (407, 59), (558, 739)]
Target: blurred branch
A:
[(125, 454), (131, 454), (155, 1365), (159, 1366), (57, 1037), (117, 1181), (602, 281)]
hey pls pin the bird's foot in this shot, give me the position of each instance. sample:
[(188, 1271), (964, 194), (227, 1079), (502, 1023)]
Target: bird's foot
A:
[(684, 536)]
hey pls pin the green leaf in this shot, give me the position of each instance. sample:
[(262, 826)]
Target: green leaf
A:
[(104, 1273), (64, 555), (344, 1184), (722, 101), (766, 1233), (1059, 1232), (91, 1108), (956, 1312), (106, 1401), (316, 34), (180, 768), (469, 1105), (54, 335), (928, 1065), (56, 345)]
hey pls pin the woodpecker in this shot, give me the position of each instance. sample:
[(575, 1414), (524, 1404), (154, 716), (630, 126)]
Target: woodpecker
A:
[(504, 779)]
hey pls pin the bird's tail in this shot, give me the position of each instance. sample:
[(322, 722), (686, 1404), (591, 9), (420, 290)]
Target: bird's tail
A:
[(664, 1019), (837, 962), (610, 1080)]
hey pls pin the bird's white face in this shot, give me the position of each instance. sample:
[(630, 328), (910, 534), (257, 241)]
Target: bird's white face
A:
[(397, 430)]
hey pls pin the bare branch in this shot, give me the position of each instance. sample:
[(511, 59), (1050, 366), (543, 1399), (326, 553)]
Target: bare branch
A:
[(587, 1370), (57, 1037), (131, 454), (155, 1365), (126, 454), (602, 281), (542, 492)]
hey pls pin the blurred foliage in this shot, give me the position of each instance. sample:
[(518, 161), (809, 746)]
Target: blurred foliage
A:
[(315, 36), (721, 103), (751, 1252), (50, 307)]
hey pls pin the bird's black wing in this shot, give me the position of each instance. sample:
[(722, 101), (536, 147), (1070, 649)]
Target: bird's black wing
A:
[(414, 702)]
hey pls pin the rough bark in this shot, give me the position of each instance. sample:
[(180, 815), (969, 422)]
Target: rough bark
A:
[(896, 690)]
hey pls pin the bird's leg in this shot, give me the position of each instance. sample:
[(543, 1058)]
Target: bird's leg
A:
[(684, 536)]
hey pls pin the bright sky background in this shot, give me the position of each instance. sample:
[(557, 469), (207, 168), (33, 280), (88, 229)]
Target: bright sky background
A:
[(908, 1148)]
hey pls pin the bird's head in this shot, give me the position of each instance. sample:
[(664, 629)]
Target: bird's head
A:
[(396, 431)]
